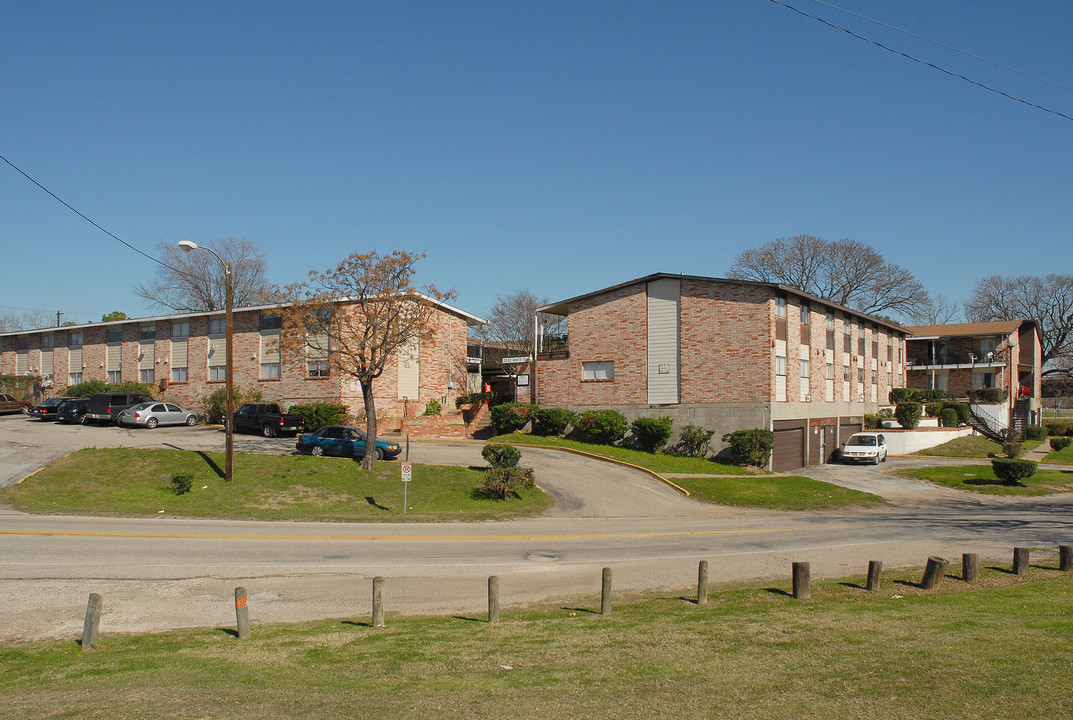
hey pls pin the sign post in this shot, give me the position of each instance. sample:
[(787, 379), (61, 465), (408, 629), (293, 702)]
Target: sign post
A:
[(407, 475)]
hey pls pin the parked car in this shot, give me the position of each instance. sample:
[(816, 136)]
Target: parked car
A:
[(8, 404), (865, 447), (266, 419), (344, 441), (151, 414), (71, 410), (46, 410), (106, 406)]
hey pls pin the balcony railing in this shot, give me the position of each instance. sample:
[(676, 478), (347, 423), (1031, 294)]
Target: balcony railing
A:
[(953, 358)]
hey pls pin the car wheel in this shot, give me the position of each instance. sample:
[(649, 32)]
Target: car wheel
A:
[(268, 431), (380, 453), (317, 450), (192, 420), (151, 423), (85, 420), (25, 409)]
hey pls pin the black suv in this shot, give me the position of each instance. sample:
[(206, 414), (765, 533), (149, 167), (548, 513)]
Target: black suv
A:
[(106, 406), (71, 410)]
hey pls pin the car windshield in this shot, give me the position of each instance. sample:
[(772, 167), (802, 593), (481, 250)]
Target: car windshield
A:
[(868, 440), (141, 406)]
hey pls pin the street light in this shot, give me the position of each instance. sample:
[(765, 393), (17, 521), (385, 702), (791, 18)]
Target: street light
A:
[(229, 431)]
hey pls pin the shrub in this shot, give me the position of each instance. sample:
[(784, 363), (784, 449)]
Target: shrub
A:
[(504, 482), (886, 413), (963, 411), (986, 395), (433, 407), (1011, 471), (695, 441), (552, 421), (1058, 427), (1035, 432), (872, 422), (750, 447), (501, 456), (86, 389), (317, 415), (472, 399), (181, 483), (948, 416), (650, 433), (900, 395), (1012, 449), (21, 386), (511, 417), (1060, 443), (908, 414), (214, 406), (605, 427)]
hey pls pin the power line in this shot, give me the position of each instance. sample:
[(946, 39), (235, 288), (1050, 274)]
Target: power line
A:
[(944, 46), (76, 212), (924, 62)]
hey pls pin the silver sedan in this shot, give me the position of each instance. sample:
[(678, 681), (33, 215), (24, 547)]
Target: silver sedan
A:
[(151, 414)]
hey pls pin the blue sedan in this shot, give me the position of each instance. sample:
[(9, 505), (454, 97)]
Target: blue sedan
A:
[(345, 441)]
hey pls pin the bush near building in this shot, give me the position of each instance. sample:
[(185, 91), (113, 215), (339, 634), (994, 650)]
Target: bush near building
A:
[(750, 447), (605, 427), (908, 414), (651, 434), (1012, 471)]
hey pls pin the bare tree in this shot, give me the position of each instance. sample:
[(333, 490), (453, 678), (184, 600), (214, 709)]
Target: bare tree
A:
[(1047, 300), (30, 319), (358, 315), (511, 320), (846, 272), (194, 282), (938, 311)]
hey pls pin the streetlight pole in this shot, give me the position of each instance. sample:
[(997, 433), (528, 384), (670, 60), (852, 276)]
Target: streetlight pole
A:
[(229, 430)]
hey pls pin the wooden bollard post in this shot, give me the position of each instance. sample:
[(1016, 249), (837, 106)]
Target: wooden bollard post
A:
[(92, 623), (605, 592), (1020, 560), (702, 583), (802, 582), (970, 567), (875, 569), (493, 599), (1065, 558), (934, 572), (242, 613), (378, 601)]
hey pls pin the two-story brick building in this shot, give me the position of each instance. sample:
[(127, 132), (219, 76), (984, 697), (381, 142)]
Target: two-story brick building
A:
[(184, 357), (956, 358), (725, 355)]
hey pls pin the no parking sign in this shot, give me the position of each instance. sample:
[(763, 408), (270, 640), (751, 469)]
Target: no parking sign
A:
[(407, 472)]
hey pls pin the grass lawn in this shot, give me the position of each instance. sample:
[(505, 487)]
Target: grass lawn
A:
[(1001, 648), (981, 479), (1061, 456), (131, 482), (969, 446), (775, 492)]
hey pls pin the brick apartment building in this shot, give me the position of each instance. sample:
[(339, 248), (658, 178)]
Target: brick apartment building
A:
[(184, 357), (725, 355), (960, 357)]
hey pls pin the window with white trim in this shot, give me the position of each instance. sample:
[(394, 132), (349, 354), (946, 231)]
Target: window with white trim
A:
[(780, 365)]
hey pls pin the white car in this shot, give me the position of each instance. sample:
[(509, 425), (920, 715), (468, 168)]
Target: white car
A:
[(151, 414), (865, 447)]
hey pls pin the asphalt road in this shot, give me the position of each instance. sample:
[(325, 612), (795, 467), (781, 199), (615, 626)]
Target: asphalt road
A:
[(164, 572)]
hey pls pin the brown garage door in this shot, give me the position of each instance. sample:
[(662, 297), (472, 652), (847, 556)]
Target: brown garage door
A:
[(788, 449)]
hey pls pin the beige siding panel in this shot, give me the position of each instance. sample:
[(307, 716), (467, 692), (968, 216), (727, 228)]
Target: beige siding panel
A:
[(409, 377), (664, 302), (317, 348), (146, 355), (22, 363), (46, 363), (180, 353), (74, 359), (115, 357), (269, 346), (217, 351)]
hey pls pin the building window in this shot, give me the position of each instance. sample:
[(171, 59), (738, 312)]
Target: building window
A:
[(604, 370), (180, 329), (74, 378), (178, 374), (271, 321), (847, 338), (147, 333), (74, 339), (804, 368), (48, 342), (860, 375), (114, 377), (805, 314), (983, 380), (875, 377), (115, 335), (147, 376), (317, 368), (780, 307), (217, 326), (217, 373), (270, 371), (987, 348), (845, 373), (806, 328), (830, 331), (830, 371), (860, 343), (780, 365)]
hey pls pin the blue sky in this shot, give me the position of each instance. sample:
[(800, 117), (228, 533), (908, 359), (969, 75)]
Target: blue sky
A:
[(559, 147)]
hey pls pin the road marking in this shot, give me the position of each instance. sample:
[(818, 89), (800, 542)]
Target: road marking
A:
[(228, 536)]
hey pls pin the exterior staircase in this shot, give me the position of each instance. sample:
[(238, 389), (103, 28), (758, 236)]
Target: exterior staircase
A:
[(451, 424), (986, 426)]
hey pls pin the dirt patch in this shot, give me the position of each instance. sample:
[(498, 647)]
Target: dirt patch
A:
[(298, 495)]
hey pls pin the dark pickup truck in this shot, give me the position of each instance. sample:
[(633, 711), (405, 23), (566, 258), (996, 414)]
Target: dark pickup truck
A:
[(266, 419)]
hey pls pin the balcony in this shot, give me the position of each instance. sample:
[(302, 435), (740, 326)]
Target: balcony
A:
[(950, 360)]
